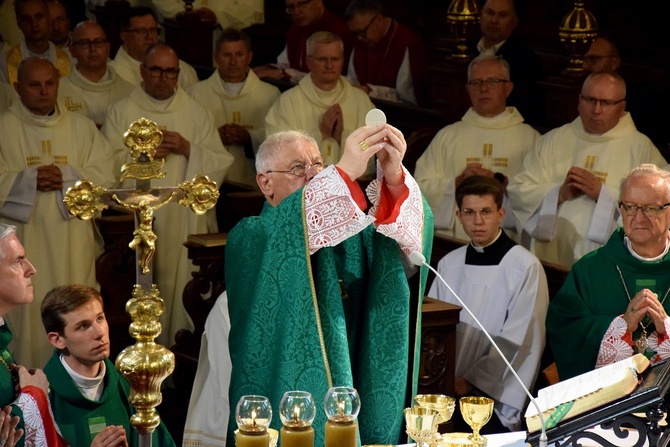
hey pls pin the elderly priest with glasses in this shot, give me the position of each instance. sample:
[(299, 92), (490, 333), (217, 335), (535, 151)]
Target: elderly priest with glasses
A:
[(318, 293), (613, 303), (565, 194)]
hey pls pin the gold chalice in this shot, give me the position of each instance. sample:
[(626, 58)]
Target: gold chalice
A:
[(421, 424), (476, 412), (444, 405)]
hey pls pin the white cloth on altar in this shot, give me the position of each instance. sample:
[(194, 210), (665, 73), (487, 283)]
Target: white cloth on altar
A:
[(63, 249), (499, 143), (302, 107), (562, 235), (129, 69), (92, 99), (248, 109), (510, 299), (173, 223)]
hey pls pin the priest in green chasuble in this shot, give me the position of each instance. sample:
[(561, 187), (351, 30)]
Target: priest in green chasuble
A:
[(23, 392), (613, 303), (318, 290)]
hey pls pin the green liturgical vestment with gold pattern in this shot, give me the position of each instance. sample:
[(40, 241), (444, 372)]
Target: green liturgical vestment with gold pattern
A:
[(340, 317)]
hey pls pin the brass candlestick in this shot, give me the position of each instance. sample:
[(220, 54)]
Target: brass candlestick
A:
[(576, 31), (463, 20)]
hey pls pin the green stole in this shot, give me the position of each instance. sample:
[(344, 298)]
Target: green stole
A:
[(7, 384), (338, 318)]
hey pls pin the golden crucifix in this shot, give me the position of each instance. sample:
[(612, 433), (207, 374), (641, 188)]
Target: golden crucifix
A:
[(145, 364)]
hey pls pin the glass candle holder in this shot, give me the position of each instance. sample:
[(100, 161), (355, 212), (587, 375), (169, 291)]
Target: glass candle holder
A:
[(297, 412), (342, 405), (253, 415)]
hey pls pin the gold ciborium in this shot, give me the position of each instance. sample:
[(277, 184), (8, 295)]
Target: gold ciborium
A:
[(476, 412), (421, 424), (444, 405)]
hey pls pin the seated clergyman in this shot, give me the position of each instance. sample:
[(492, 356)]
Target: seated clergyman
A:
[(613, 302)]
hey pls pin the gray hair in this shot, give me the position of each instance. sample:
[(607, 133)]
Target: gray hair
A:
[(648, 170), (269, 152), (5, 231), (322, 37), (486, 58)]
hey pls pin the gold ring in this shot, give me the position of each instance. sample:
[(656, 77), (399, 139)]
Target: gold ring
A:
[(364, 145)]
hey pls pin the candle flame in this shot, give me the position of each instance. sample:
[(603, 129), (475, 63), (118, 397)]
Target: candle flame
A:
[(340, 408), (253, 417), (296, 413)]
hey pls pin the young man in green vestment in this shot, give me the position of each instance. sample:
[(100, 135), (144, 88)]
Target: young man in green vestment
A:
[(613, 302), (89, 398), (23, 393), (318, 293)]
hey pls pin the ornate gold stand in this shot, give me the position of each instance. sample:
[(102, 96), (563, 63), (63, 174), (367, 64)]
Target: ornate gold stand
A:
[(145, 364)]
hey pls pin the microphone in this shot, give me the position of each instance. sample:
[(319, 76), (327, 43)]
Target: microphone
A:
[(417, 258)]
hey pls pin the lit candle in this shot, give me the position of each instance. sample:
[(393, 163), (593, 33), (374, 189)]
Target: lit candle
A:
[(253, 415), (342, 405), (297, 411)]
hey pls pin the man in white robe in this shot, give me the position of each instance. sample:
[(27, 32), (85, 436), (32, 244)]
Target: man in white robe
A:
[(44, 150), (91, 86), (505, 286), (324, 104), (491, 140), (238, 102), (565, 195), (33, 19), (191, 145), (139, 32)]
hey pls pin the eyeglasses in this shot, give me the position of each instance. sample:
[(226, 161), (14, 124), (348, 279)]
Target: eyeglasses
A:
[(90, 43), (170, 73), (300, 170), (592, 59), (630, 209), (484, 213), (325, 60), (603, 102), (363, 32), (297, 5), (144, 31), (490, 82)]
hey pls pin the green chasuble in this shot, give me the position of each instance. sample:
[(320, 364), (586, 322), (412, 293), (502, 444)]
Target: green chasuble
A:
[(80, 418), (7, 383), (592, 296), (342, 317)]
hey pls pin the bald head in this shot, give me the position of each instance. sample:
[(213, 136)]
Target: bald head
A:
[(602, 102), (82, 29), (37, 85), (160, 71), (90, 48)]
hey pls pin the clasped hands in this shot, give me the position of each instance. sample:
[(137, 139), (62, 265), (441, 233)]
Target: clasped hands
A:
[(579, 181), (645, 303), (174, 143), (384, 140)]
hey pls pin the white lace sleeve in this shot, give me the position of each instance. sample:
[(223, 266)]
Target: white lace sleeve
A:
[(32, 419), (663, 349), (408, 227), (612, 347), (331, 213)]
